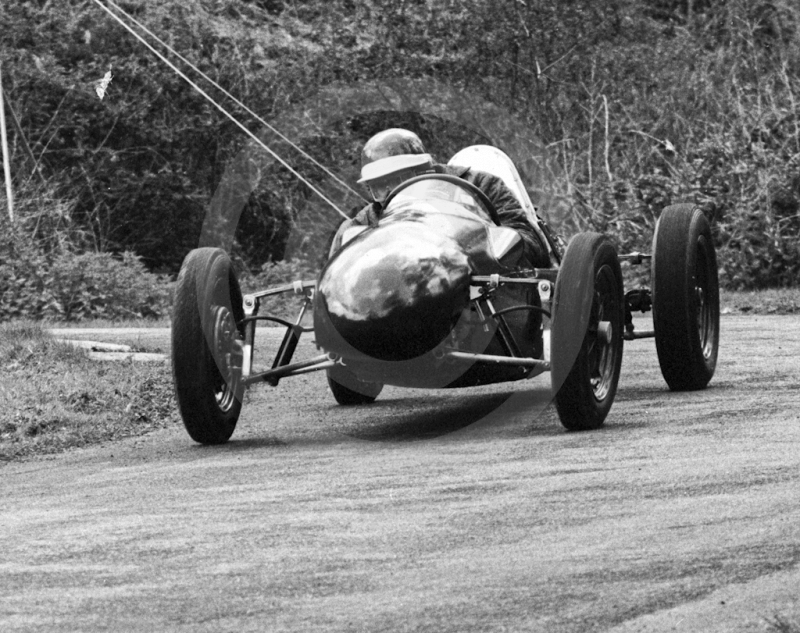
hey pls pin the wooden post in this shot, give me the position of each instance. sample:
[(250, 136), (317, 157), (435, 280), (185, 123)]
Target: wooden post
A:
[(4, 143)]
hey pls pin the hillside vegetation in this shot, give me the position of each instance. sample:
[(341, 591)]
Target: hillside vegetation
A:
[(612, 109)]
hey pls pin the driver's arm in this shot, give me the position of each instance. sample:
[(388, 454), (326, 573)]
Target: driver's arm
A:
[(368, 216)]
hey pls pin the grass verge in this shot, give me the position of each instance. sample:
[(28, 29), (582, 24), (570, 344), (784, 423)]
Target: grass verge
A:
[(146, 324), (770, 301), (52, 397)]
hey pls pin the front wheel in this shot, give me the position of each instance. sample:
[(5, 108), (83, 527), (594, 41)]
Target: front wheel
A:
[(586, 332), (685, 288), (207, 330)]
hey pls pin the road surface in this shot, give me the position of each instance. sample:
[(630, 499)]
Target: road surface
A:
[(682, 514)]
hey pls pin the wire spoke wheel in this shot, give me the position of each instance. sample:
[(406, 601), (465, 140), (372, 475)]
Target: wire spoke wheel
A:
[(207, 334), (707, 311), (685, 290), (602, 353), (228, 352), (586, 338)]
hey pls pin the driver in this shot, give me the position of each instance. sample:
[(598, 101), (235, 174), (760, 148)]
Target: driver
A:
[(393, 156)]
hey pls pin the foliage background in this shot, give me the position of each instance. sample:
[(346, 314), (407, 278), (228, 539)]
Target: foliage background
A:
[(636, 105)]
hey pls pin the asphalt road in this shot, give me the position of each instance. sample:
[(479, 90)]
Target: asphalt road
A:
[(682, 514)]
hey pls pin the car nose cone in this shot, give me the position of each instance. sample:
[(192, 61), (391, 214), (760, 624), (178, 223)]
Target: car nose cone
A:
[(393, 294)]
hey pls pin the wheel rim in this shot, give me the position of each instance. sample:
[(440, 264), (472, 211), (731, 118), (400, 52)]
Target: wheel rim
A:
[(704, 306), (602, 350), (226, 348)]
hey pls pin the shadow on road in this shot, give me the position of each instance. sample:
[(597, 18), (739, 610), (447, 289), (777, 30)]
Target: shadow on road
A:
[(408, 420), (235, 445), (413, 419)]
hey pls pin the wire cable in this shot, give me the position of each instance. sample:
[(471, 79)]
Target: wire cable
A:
[(270, 127), (222, 109)]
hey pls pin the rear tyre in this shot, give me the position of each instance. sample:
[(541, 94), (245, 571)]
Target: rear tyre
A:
[(349, 390), (685, 289), (586, 332), (207, 330)]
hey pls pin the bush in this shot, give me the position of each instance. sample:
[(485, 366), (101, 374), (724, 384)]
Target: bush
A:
[(708, 117), (72, 286), (91, 285), (637, 105)]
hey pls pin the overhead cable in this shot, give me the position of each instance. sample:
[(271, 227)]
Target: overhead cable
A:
[(222, 109), (271, 128)]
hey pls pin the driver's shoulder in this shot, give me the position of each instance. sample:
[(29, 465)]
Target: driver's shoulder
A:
[(455, 170), (477, 177)]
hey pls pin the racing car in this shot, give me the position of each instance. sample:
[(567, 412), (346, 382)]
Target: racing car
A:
[(438, 295)]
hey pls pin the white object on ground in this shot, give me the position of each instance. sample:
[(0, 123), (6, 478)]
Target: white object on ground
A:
[(137, 356), (95, 346), (112, 351)]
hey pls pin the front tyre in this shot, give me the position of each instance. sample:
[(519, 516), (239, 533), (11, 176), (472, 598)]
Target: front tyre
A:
[(685, 289), (207, 330), (586, 332), (349, 390)]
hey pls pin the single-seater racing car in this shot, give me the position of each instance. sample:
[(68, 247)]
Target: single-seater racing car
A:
[(438, 295)]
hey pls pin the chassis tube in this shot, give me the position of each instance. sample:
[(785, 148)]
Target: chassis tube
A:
[(499, 360), (288, 345), (298, 287), (312, 364), (506, 337), (539, 274)]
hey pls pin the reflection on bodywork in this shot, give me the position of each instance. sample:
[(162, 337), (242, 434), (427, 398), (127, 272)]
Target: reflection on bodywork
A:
[(393, 271), (393, 293)]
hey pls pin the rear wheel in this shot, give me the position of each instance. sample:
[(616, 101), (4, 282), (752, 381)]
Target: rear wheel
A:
[(207, 331), (685, 289), (348, 390), (586, 332)]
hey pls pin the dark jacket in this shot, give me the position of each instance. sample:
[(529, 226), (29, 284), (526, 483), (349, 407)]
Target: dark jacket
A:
[(508, 210)]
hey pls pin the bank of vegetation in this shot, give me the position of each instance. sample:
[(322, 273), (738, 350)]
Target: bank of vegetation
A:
[(614, 109), (53, 397)]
